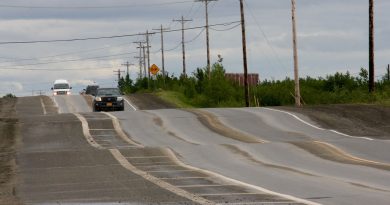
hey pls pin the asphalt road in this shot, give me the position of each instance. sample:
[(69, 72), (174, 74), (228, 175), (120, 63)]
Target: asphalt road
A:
[(203, 156)]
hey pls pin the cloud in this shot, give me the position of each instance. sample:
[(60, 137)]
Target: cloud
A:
[(10, 87)]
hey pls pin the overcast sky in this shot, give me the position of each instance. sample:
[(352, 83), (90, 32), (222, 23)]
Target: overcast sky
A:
[(332, 36)]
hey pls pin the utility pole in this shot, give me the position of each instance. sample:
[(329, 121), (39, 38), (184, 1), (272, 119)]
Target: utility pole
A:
[(118, 73), (388, 72), (295, 51), (148, 52), (127, 64), (148, 55), (162, 50), (371, 83), (207, 34), (144, 59), (182, 20), (246, 86), (139, 65), (140, 57), (143, 56)]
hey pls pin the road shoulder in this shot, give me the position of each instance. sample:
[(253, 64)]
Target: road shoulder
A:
[(355, 120), (8, 143)]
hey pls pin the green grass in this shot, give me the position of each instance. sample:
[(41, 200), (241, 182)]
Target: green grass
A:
[(200, 90), (174, 97)]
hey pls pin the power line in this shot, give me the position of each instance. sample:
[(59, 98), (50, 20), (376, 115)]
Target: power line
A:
[(69, 60), (60, 54), (179, 44), (174, 48), (265, 36), (68, 40), (197, 36), (192, 15), (109, 37), (62, 69), (92, 7), (227, 29)]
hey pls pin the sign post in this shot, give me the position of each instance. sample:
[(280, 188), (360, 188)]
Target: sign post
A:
[(154, 70)]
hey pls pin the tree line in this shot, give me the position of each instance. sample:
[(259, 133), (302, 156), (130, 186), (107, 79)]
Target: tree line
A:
[(198, 90)]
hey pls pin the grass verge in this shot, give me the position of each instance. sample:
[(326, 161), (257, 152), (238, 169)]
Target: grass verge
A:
[(174, 97)]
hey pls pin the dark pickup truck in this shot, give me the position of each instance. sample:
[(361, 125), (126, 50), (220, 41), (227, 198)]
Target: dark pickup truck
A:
[(108, 99)]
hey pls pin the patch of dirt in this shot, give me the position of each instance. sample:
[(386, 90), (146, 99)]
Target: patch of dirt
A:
[(214, 124), (89, 100), (249, 157), (8, 140), (147, 101), (159, 122), (50, 107), (329, 152), (356, 120)]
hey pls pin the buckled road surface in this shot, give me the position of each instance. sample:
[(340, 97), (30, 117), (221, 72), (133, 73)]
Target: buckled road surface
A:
[(69, 155)]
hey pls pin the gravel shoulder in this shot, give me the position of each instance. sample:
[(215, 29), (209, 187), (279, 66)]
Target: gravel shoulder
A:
[(8, 142), (356, 120)]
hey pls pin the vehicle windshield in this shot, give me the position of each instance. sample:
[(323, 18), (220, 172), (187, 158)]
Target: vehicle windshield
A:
[(108, 92), (61, 86), (92, 87)]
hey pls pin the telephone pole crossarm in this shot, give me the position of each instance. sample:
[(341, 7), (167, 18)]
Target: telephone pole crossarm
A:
[(127, 64), (118, 73)]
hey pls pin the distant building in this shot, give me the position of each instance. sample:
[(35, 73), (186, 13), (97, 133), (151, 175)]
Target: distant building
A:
[(253, 78)]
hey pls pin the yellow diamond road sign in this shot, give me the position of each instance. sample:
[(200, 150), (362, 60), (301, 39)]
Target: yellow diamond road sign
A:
[(154, 69)]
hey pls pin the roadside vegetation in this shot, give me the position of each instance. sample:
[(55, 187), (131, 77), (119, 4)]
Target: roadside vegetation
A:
[(200, 90), (9, 95)]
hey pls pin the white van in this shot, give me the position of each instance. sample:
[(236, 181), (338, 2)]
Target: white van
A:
[(61, 87)]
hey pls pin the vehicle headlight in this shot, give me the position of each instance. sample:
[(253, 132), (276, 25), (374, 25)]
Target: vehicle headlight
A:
[(98, 99), (68, 93), (119, 98)]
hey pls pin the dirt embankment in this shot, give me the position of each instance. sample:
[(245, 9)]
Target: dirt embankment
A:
[(357, 120), (8, 140), (147, 101)]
